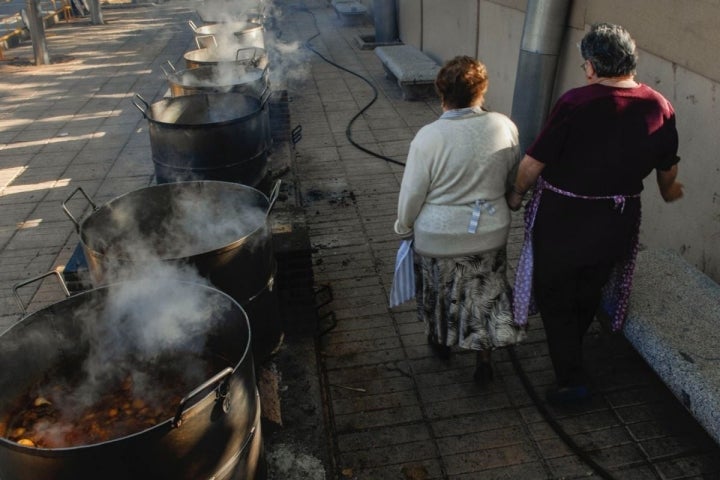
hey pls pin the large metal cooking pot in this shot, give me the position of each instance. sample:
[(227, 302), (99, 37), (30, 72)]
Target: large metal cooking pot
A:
[(250, 56), (219, 78), (214, 431), (209, 136), (241, 34), (219, 228)]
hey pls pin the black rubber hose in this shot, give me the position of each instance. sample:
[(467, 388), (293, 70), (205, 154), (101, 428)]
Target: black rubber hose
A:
[(552, 422), (348, 130)]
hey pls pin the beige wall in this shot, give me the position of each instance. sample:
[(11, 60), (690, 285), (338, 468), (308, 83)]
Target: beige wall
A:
[(500, 53), (677, 42), (409, 18), (450, 28)]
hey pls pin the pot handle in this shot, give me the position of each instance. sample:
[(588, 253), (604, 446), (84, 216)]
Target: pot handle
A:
[(192, 25), (274, 193), (265, 96), (200, 37), (17, 286), (145, 103), (177, 420), (165, 72), (67, 210), (253, 60)]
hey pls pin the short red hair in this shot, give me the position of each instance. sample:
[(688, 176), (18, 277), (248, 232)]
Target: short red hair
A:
[(461, 82)]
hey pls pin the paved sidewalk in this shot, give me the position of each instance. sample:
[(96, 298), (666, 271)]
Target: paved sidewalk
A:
[(362, 395), (72, 123)]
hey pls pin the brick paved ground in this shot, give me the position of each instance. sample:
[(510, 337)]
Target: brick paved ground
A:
[(362, 395)]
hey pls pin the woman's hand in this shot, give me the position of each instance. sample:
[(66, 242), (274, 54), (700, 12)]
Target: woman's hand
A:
[(670, 189), (406, 233), (514, 200), (528, 172), (673, 192)]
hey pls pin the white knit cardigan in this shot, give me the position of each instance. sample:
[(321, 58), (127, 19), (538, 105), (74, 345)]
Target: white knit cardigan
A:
[(452, 163)]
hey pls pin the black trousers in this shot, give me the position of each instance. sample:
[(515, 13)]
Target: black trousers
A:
[(567, 297)]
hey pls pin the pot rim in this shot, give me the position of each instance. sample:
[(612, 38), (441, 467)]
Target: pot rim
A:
[(175, 77), (190, 98), (213, 252), (261, 52), (228, 27)]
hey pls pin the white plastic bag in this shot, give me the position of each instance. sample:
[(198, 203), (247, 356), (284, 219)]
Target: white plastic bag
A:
[(403, 285)]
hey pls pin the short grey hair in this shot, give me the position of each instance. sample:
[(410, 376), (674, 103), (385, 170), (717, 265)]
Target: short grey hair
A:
[(610, 49)]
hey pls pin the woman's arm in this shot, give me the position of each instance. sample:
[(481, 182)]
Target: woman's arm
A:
[(670, 188), (528, 172), (414, 187)]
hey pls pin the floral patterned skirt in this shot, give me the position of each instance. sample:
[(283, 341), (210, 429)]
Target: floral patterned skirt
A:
[(467, 301)]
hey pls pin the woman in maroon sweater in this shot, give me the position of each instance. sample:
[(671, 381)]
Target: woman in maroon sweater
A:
[(582, 223)]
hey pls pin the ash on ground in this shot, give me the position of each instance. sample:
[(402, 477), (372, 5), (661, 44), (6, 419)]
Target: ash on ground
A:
[(294, 433)]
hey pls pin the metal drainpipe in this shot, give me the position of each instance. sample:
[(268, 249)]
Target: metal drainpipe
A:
[(545, 23), (385, 18)]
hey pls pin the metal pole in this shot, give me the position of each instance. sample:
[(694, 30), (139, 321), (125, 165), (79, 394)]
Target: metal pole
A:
[(385, 19), (545, 23), (37, 33)]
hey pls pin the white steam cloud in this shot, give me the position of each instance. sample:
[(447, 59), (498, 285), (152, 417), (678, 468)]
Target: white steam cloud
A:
[(238, 41)]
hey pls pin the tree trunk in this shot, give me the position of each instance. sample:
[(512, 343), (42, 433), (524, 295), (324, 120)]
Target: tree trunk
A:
[(37, 33), (95, 13)]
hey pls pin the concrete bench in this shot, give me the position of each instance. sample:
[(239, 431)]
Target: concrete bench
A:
[(350, 12), (674, 323), (414, 71)]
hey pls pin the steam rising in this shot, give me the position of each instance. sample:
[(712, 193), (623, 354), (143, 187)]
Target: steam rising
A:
[(160, 315), (285, 61), (155, 317), (148, 337), (174, 221), (223, 11), (225, 77), (152, 324), (153, 321)]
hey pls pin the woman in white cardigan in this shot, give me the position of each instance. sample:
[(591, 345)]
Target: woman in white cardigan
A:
[(452, 204)]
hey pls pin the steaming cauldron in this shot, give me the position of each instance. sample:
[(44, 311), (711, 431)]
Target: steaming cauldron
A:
[(242, 34), (219, 79), (214, 431), (221, 229), (250, 56), (209, 136)]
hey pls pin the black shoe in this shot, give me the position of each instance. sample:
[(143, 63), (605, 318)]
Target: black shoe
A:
[(568, 395), (440, 351), (483, 373)]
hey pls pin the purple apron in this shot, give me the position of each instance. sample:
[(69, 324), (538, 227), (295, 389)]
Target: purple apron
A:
[(615, 293)]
